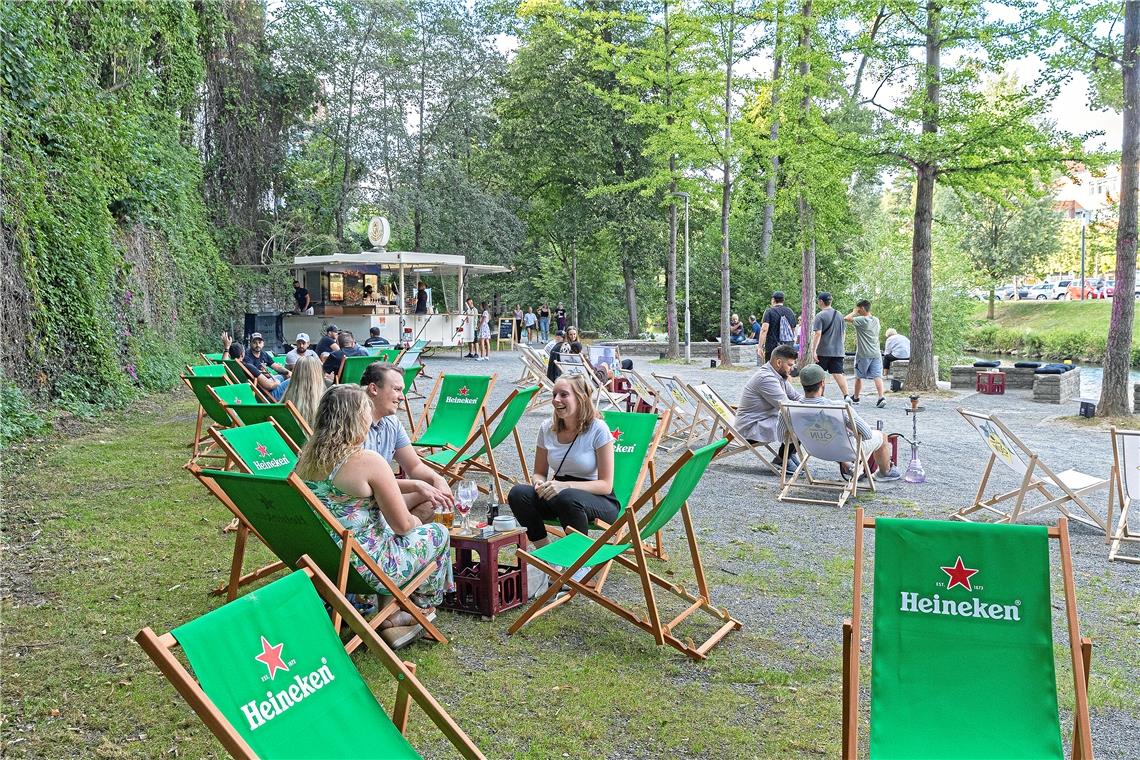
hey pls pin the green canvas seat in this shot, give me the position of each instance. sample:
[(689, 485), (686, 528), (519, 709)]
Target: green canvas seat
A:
[(455, 463), (284, 414), (209, 408), (291, 522), (208, 370), (234, 394), (271, 678), (352, 367), (623, 543), (455, 417), (963, 621), (387, 354), (261, 448), (213, 358)]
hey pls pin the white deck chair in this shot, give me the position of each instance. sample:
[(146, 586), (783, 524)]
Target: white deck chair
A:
[(577, 364), (724, 425), (535, 363), (1005, 447), (643, 390), (689, 422), (1125, 481), (829, 434)]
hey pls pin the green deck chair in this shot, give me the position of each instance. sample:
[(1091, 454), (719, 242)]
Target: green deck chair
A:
[(262, 448), (207, 370), (575, 551), (387, 354), (291, 522), (321, 707), (234, 394), (212, 358), (453, 464), (208, 408), (284, 414), (963, 621), (352, 367), (410, 375), (454, 422)]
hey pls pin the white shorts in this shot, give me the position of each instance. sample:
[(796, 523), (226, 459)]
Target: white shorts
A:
[(874, 442)]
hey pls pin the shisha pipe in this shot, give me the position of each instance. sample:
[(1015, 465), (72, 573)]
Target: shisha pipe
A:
[(914, 471)]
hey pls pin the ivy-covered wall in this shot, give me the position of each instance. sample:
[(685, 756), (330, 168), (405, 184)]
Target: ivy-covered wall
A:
[(111, 277)]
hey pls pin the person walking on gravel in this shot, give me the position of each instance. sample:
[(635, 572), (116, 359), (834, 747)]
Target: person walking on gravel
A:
[(868, 359), (827, 341)]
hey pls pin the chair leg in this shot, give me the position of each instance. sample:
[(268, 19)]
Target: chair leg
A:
[(403, 702)]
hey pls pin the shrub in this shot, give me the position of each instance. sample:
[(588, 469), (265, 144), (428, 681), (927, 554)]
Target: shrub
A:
[(18, 419)]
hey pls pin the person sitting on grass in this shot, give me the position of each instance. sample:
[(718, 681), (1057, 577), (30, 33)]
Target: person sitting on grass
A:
[(814, 377), (573, 479), (358, 487), (306, 387)]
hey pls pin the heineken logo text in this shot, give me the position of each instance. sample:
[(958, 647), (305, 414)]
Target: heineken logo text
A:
[(276, 703), (271, 463), (461, 400), (973, 608)]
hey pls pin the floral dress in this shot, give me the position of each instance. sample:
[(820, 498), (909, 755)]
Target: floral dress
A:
[(401, 557)]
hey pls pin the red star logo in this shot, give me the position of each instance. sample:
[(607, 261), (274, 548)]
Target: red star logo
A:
[(270, 657), (616, 433), (261, 449), (463, 391), (959, 575)]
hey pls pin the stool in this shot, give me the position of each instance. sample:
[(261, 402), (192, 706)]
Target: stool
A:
[(991, 383), (486, 587)]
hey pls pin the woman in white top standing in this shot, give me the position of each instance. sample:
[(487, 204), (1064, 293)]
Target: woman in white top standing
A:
[(573, 467)]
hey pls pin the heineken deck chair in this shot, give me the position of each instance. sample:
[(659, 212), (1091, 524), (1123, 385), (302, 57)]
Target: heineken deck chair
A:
[(210, 413), (352, 367), (689, 421), (962, 660), (455, 419), (576, 551), (284, 414), (209, 370), (387, 354), (291, 522), (1125, 483), (321, 707), (826, 434), (212, 358), (724, 423), (262, 448), (454, 464), (1005, 447), (411, 358)]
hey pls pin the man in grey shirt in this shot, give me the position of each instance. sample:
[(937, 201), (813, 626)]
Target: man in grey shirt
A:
[(758, 415), (827, 341), (422, 487), (868, 360)]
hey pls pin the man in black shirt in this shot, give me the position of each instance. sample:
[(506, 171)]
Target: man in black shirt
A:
[(327, 344), (374, 338), (777, 326), (421, 298), (303, 299), (347, 347)]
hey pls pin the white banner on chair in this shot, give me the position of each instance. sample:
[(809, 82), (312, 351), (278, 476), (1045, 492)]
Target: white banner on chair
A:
[(823, 433), (997, 442)]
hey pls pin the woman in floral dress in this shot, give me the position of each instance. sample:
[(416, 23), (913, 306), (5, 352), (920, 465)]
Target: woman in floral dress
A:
[(359, 488)]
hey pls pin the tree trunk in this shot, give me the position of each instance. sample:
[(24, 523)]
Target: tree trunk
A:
[(807, 277), (1115, 392), (921, 376), (990, 305), (773, 136), (726, 196), (633, 326)]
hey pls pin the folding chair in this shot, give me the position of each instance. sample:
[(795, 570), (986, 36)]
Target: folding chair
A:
[(577, 364), (575, 551), (963, 624), (212, 358), (260, 449), (454, 464), (1005, 447), (208, 408), (284, 414), (410, 375), (535, 367), (321, 707), (409, 359), (1124, 481), (292, 522), (645, 393), (387, 354), (234, 394), (352, 367), (724, 419), (208, 370), (824, 433), (455, 420), (688, 421)]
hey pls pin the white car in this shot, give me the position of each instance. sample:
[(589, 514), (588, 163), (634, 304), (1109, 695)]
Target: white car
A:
[(1050, 291)]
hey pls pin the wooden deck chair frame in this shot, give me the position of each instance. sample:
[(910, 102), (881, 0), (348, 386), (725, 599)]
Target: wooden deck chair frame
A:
[(645, 391), (653, 624), (413, 372), (1125, 464), (288, 406), (247, 377), (689, 421), (426, 415), (1006, 447), (717, 408), (456, 470), (802, 477), (201, 445), (160, 649), (395, 597), (1080, 647), (536, 366), (598, 390)]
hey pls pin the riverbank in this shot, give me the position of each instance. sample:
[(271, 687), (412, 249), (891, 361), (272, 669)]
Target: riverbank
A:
[(1047, 330)]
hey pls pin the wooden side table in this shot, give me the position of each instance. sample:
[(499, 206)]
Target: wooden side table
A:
[(483, 585)]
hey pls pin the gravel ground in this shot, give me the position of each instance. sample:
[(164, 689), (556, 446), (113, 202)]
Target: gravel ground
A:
[(784, 569)]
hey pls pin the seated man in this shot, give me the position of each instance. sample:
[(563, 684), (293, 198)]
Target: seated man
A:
[(346, 343), (422, 487), (327, 344), (374, 338), (897, 347), (813, 378), (301, 348), (758, 415), (258, 362)]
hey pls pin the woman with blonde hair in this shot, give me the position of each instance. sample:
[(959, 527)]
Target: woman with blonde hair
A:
[(306, 387), (573, 478), (358, 487)]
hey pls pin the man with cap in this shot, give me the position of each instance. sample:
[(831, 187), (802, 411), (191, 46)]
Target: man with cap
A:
[(777, 327), (270, 378), (758, 415), (327, 344), (374, 338), (345, 346), (827, 341), (300, 348), (813, 378)]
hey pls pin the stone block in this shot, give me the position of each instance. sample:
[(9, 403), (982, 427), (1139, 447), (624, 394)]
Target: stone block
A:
[(1056, 389)]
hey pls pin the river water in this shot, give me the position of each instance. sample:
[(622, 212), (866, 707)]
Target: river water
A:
[(1091, 374)]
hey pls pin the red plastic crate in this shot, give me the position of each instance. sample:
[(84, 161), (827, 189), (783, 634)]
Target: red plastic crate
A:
[(991, 383), (483, 587)]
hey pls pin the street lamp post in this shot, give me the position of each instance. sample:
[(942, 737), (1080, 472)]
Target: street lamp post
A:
[(688, 333), (1084, 223)]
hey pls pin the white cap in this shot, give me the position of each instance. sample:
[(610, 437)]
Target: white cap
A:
[(302, 337)]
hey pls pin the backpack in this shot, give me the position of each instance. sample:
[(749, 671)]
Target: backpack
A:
[(787, 332)]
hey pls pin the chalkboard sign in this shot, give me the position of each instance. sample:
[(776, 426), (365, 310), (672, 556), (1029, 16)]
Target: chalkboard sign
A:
[(506, 332)]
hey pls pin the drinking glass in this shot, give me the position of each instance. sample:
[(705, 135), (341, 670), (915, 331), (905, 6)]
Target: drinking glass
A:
[(465, 497)]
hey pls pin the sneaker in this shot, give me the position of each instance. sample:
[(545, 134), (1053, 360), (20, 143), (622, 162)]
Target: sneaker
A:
[(399, 636), (854, 399), (881, 402), (891, 474)]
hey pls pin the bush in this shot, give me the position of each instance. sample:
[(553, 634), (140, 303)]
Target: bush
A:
[(18, 419)]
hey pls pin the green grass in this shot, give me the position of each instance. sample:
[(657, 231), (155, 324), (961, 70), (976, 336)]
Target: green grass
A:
[(1053, 316)]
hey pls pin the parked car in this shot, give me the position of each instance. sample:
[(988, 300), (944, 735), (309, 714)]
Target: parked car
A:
[(1006, 293), (1075, 290), (1042, 292)]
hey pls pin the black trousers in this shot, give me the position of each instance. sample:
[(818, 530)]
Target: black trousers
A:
[(572, 507), (887, 359)]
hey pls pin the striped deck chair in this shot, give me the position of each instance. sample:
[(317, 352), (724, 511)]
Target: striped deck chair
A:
[(321, 707), (963, 620)]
